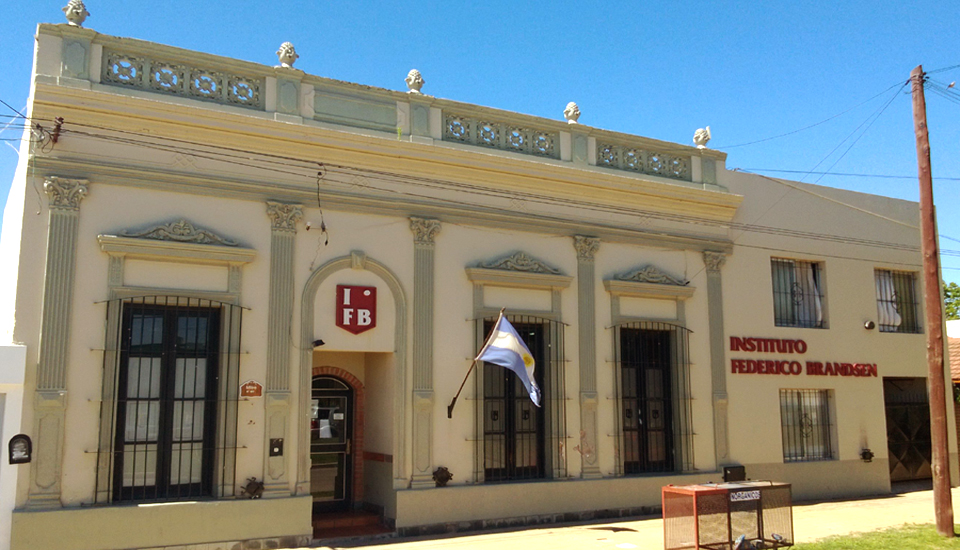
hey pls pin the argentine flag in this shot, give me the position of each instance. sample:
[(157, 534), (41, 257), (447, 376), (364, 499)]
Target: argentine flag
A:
[(505, 348)]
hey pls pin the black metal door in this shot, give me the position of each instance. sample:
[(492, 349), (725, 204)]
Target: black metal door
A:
[(647, 410), (908, 428), (331, 422)]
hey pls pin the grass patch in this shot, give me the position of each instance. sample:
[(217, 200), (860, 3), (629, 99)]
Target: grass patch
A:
[(910, 537)]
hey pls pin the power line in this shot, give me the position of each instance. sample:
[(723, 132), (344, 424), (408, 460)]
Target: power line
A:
[(812, 125), (198, 150), (850, 174)]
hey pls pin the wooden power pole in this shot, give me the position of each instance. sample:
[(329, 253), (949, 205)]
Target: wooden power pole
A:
[(942, 505)]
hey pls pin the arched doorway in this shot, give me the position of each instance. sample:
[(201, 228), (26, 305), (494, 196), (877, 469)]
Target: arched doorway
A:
[(332, 413)]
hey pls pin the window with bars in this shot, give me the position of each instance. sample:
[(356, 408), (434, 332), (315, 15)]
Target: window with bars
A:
[(797, 293), (168, 419), (655, 417), (806, 425), (518, 440), (897, 307)]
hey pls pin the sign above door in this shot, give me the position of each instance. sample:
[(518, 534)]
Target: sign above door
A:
[(356, 308)]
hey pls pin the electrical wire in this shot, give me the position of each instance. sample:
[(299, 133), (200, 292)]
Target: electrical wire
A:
[(258, 159), (850, 174), (812, 125), (445, 185)]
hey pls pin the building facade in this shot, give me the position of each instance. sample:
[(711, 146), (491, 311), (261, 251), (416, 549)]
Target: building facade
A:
[(245, 280)]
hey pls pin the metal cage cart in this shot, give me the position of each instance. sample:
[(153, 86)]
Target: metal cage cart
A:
[(728, 516)]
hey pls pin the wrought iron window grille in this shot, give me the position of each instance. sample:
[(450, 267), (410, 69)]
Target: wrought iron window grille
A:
[(897, 307), (168, 418), (517, 441), (798, 299), (806, 425)]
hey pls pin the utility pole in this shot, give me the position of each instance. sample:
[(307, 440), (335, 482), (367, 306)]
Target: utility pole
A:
[(942, 505)]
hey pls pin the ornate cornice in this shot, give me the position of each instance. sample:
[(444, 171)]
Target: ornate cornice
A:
[(64, 193), (587, 247), (284, 217), (651, 274), (180, 231), (520, 262), (424, 231), (714, 261)]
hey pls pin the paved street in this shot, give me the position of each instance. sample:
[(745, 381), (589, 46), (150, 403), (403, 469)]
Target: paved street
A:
[(812, 521)]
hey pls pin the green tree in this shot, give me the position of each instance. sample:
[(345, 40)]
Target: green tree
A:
[(951, 301)]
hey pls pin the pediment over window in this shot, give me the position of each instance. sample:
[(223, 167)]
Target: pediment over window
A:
[(518, 270), (649, 282), (651, 274), (180, 241)]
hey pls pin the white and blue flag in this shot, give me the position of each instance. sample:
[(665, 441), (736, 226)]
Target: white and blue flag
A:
[(505, 348)]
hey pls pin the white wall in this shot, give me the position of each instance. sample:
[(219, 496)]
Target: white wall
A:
[(12, 365)]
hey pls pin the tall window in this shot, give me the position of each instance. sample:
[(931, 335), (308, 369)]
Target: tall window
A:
[(897, 306), (805, 425), (168, 418), (797, 293), (519, 440), (655, 412), (167, 402)]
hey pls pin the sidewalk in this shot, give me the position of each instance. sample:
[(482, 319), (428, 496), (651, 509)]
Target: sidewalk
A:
[(812, 521)]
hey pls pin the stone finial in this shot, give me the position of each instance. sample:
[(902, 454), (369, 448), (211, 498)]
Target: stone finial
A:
[(414, 82), (571, 113), (701, 137), (76, 12), (287, 55)]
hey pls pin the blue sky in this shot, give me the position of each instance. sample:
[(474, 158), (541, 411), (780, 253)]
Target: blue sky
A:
[(751, 70)]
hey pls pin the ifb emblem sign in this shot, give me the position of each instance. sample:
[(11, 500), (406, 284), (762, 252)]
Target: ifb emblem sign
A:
[(356, 308)]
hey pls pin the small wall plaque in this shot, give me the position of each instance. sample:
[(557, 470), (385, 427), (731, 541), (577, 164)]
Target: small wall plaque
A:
[(20, 449), (251, 388)]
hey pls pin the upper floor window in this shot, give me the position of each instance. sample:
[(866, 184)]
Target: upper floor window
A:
[(797, 293), (897, 306)]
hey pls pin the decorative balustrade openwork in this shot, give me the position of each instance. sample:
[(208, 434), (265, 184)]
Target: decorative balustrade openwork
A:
[(632, 159), (500, 135), (154, 75)]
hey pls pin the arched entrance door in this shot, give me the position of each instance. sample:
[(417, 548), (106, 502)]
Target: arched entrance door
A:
[(331, 431)]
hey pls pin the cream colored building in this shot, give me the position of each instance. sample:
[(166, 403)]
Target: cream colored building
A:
[(209, 227)]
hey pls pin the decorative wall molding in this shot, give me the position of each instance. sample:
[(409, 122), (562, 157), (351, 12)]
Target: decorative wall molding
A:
[(64, 193), (424, 233), (174, 251), (587, 248), (651, 274), (521, 262), (284, 217), (632, 159), (180, 231), (502, 135)]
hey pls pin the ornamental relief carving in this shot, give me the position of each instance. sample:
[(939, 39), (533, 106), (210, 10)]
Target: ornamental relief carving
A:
[(424, 231), (714, 261), (65, 194), (284, 217), (180, 231), (587, 247), (520, 262), (651, 274)]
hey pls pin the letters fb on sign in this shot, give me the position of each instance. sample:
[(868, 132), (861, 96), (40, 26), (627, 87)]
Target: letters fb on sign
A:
[(356, 308)]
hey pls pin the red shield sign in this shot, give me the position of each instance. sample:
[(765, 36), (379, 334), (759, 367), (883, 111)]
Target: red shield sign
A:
[(356, 308)]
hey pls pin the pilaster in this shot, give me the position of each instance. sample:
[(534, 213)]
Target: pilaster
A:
[(283, 230), (718, 375), (424, 233), (587, 248), (50, 399)]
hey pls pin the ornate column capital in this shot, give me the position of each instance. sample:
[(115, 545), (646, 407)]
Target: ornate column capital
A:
[(284, 217), (714, 260), (65, 193), (587, 247), (424, 231)]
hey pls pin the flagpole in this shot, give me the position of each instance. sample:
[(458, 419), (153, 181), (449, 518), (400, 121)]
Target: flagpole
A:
[(472, 365)]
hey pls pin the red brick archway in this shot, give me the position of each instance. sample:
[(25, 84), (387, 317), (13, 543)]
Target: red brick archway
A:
[(357, 445)]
